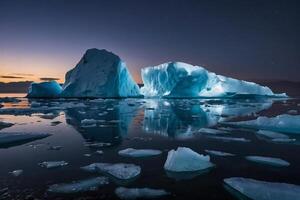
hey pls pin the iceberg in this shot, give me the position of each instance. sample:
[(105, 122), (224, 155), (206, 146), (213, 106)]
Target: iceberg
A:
[(136, 153), (49, 89), (139, 193), (91, 184), (178, 79), (122, 171), (281, 123), (262, 190), (186, 160), (277, 162), (100, 73)]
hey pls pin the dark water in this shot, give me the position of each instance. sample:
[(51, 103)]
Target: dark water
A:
[(140, 123)]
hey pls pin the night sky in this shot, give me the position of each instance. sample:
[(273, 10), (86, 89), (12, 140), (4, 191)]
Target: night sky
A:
[(247, 39)]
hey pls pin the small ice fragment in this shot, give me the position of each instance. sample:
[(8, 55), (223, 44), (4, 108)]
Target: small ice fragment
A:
[(211, 131), (292, 112), (100, 152), (278, 162), (186, 160), (55, 147), (272, 134), (130, 152), (98, 144), (262, 190), (119, 170), (218, 153), (229, 139), (87, 155), (53, 164), (139, 193), (91, 184), (283, 140), (17, 172)]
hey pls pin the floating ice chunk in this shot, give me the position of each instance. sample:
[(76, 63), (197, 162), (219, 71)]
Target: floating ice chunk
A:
[(55, 148), (91, 184), (293, 112), (177, 79), (100, 74), (282, 123), (17, 172), (229, 139), (268, 161), (98, 144), (53, 164), (99, 152), (283, 140), (44, 90), (272, 134), (218, 153), (122, 171), (186, 160), (130, 152), (211, 131), (139, 193), (5, 124), (262, 190), (15, 137), (89, 123)]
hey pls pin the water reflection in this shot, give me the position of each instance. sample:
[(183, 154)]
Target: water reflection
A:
[(180, 118)]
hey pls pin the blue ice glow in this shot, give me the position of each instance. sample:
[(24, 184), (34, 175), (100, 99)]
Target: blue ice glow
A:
[(177, 79)]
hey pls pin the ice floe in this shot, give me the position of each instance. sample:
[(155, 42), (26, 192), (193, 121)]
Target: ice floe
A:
[(139, 193), (268, 161), (229, 139), (122, 171), (53, 164), (262, 190), (282, 123), (90, 184), (218, 153), (130, 152)]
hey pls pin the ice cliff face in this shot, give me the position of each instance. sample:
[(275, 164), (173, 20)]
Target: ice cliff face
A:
[(100, 74), (44, 90), (177, 79)]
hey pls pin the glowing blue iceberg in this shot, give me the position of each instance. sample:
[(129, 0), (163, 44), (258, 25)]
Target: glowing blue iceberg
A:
[(177, 79), (100, 74), (44, 90)]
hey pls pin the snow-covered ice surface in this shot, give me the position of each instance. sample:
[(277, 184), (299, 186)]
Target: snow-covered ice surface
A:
[(123, 171), (283, 123), (130, 152), (268, 161), (91, 184), (263, 190), (186, 160), (139, 193), (140, 124), (100, 73), (44, 90), (178, 79)]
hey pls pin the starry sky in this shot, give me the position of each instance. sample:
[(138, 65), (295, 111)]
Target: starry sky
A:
[(41, 40)]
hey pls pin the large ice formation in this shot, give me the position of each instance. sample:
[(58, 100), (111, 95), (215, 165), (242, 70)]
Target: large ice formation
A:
[(262, 190), (100, 73), (186, 160), (49, 89), (177, 79), (282, 123)]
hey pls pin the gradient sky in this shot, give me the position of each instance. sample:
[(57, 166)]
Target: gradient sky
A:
[(247, 39)]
